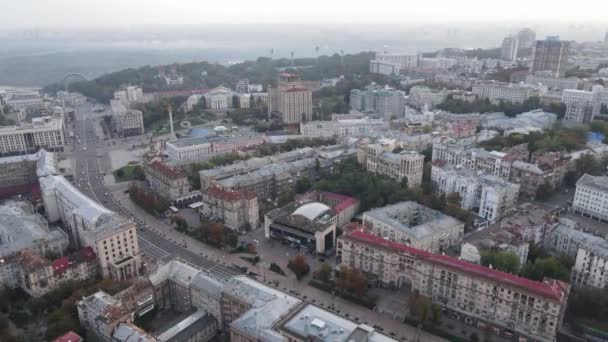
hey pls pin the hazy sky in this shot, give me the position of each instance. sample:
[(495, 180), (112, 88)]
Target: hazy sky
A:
[(103, 13)]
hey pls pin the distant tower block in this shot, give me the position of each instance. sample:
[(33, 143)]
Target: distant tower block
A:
[(171, 123)]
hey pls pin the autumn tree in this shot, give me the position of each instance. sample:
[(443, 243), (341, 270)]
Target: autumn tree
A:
[(324, 273), (299, 266)]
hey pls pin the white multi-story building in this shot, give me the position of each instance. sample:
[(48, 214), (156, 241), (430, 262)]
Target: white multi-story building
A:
[(71, 99), (202, 148), (341, 127), (167, 181), (46, 132), (581, 105), (193, 100), (421, 96), (507, 92), (590, 267), (591, 197), (24, 100), (525, 309), (494, 196), (405, 164), (89, 224), (219, 98), (509, 49), (414, 225), (384, 67), (402, 60)]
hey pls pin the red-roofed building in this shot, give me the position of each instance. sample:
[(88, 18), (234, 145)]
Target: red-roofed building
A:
[(237, 208), (344, 207), (476, 294), (167, 181), (69, 337)]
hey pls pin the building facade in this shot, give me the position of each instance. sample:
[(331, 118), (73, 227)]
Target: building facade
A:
[(237, 209), (341, 127), (202, 148), (581, 105), (550, 57), (509, 48), (291, 99), (506, 92), (507, 304), (591, 197), (46, 132), (402, 165), (129, 122), (167, 181)]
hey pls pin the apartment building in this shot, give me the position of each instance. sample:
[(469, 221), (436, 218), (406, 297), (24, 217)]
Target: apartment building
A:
[(494, 197), (112, 237), (527, 38), (202, 148), (46, 132), (496, 92), (341, 127), (423, 96), (24, 100), (508, 305), (581, 105), (238, 209), (550, 57), (404, 164), (168, 181), (415, 225), (591, 197), (291, 99)]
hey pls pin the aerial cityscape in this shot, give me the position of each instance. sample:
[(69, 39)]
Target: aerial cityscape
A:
[(201, 172)]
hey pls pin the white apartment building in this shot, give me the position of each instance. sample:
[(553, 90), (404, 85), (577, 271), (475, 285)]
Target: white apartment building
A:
[(591, 265), (581, 105), (514, 307), (89, 224), (237, 209), (494, 196), (405, 164), (591, 197), (414, 225), (341, 127), (46, 132), (387, 102), (24, 100), (509, 49), (384, 67), (507, 92), (401, 59), (167, 181), (192, 100), (421, 96)]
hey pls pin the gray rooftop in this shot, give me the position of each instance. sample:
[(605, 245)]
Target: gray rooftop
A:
[(268, 305), (588, 242), (597, 182), (413, 219), (208, 284), (187, 327), (316, 324), (176, 271), (125, 332), (21, 227)]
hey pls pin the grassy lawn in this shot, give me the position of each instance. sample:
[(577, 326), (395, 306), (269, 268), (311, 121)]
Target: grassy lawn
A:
[(124, 174)]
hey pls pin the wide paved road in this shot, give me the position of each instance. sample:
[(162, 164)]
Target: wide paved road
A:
[(89, 179)]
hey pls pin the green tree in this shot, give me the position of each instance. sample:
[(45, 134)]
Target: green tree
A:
[(552, 267), (505, 261), (324, 273), (303, 184)]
